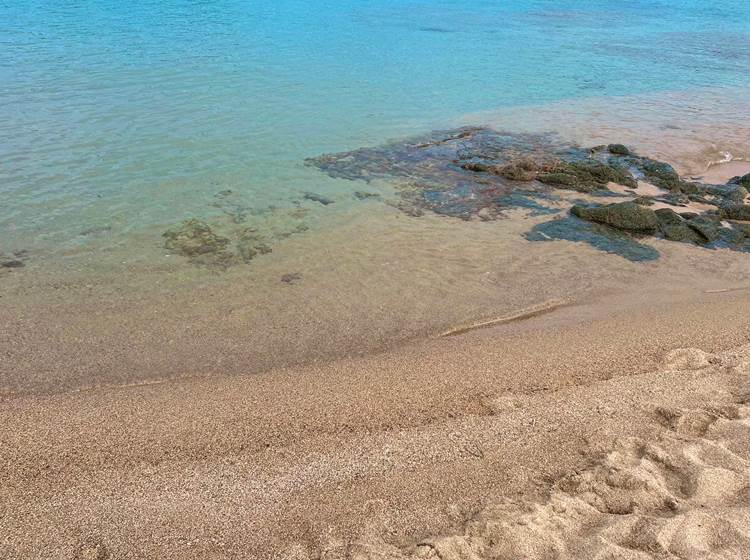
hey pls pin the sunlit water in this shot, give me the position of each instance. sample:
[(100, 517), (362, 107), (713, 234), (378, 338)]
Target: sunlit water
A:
[(119, 120), (130, 114)]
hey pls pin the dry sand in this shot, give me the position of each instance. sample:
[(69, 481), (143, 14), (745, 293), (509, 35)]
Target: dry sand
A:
[(616, 429)]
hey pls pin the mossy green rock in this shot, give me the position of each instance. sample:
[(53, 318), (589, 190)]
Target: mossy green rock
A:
[(667, 216), (251, 244), (194, 237), (618, 150), (743, 228), (626, 216), (708, 229), (738, 195), (586, 176), (681, 232), (743, 181), (737, 212), (659, 173), (559, 179)]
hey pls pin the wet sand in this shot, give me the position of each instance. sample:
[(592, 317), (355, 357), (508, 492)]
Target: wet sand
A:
[(580, 431)]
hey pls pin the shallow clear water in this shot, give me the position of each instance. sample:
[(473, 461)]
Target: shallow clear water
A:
[(126, 116), (119, 120)]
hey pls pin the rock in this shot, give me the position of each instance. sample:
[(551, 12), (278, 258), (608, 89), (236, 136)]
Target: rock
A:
[(618, 150), (667, 216), (675, 227), (644, 200), (318, 198), (291, 277), (626, 216), (12, 263), (736, 212), (194, 238), (479, 167), (659, 173), (738, 195), (681, 232), (743, 181), (250, 244), (707, 228), (743, 228), (522, 170), (586, 176), (689, 215), (559, 179), (364, 195)]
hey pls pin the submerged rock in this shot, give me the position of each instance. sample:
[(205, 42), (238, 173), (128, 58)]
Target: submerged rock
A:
[(320, 199), (250, 244), (196, 240), (291, 277), (364, 195), (623, 215), (194, 237), (596, 235)]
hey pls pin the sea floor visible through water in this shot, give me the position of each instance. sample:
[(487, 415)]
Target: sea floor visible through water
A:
[(344, 270)]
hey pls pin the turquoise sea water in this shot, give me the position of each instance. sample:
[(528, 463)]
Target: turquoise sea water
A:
[(127, 116)]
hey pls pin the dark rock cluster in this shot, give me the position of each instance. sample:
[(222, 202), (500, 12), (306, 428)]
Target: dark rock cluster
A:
[(478, 173)]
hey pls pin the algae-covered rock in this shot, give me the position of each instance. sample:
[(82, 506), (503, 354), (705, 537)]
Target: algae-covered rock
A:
[(559, 179), (522, 170), (586, 176), (480, 167), (194, 237), (320, 199), (659, 173), (743, 228), (736, 212), (626, 216), (738, 195), (676, 228), (707, 228), (618, 150), (743, 181), (251, 244), (681, 232), (667, 216)]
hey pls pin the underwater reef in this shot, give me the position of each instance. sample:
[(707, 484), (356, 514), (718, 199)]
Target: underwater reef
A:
[(477, 172)]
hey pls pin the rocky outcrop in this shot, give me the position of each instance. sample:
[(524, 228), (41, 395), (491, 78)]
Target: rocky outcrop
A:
[(627, 216)]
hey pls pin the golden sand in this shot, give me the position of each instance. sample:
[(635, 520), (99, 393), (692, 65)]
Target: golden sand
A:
[(593, 429)]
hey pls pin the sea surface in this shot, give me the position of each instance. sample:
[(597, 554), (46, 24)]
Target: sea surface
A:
[(120, 120)]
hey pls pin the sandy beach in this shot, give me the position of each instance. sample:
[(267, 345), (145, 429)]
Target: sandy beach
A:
[(614, 429), (383, 280)]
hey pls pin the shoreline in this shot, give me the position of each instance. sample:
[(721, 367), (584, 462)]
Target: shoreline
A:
[(358, 449)]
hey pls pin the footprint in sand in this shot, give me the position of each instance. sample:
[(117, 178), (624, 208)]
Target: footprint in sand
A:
[(687, 359)]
